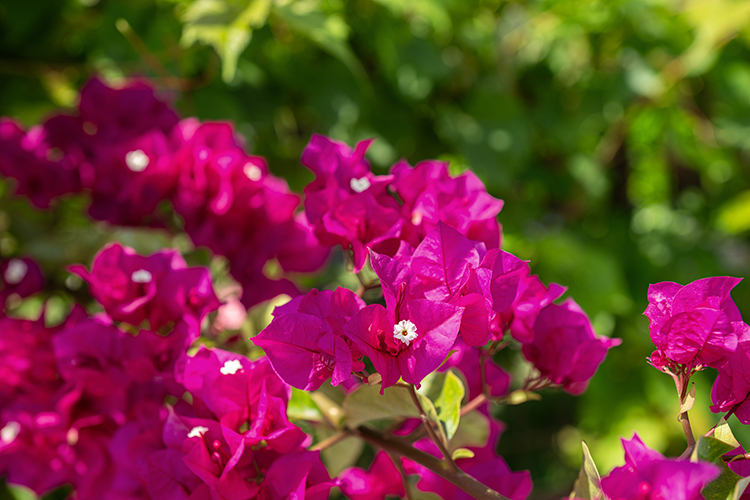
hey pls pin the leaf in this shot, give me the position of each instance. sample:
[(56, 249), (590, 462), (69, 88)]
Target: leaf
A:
[(462, 453), (328, 407), (588, 485), (725, 486), (710, 449), (329, 31), (689, 400), (21, 492), (227, 26), (729, 485), (366, 404), (473, 430), (449, 403), (302, 407), (432, 415), (723, 433), (340, 455)]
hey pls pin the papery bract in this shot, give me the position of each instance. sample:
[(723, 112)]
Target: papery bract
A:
[(380, 480), (565, 348), (693, 324), (305, 342), (647, 475)]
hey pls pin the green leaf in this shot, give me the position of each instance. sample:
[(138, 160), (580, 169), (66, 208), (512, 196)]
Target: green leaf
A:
[(473, 430), (302, 407), (711, 449), (462, 453), (329, 31), (723, 433), (21, 492), (689, 400), (328, 407), (588, 485), (448, 403), (366, 404), (226, 25), (432, 415), (340, 455), (724, 487)]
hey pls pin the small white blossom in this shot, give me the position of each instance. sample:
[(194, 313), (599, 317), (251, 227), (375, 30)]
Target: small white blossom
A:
[(360, 185), (15, 271), (231, 367), (137, 160), (197, 432), (405, 331), (252, 172), (9, 433), (141, 276)]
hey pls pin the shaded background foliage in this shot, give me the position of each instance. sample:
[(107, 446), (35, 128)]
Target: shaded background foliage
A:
[(617, 132)]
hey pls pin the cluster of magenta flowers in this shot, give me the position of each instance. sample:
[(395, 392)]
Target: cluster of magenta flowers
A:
[(128, 403), (83, 403)]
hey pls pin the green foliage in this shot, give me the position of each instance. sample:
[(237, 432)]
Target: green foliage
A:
[(588, 485), (728, 486), (449, 403)]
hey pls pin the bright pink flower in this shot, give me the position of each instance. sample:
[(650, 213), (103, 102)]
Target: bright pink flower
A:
[(409, 339), (469, 362), (20, 276), (346, 203), (531, 297), (27, 362), (41, 172), (430, 195), (299, 475), (565, 348), (306, 343), (380, 480), (242, 395), (459, 271), (159, 288), (694, 324), (647, 475)]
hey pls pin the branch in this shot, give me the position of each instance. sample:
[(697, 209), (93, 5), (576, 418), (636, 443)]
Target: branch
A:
[(457, 478), (431, 431)]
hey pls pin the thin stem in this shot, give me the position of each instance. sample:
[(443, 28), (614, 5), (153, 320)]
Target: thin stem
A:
[(473, 404), (404, 477), (330, 441), (681, 384), (431, 431), (458, 478)]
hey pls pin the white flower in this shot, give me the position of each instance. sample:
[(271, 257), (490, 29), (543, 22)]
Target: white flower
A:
[(405, 331), (141, 276), (360, 185), (231, 367), (197, 432), (9, 433), (15, 271), (252, 172), (137, 160)]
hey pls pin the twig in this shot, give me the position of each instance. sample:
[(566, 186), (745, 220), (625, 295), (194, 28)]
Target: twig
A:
[(404, 477), (473, 404), (330, 441), (431, 431), (457, 478)]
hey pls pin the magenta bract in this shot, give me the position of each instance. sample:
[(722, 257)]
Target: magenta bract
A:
[(647, 475)]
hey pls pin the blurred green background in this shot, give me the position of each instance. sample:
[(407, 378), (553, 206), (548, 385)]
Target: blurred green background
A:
[(616, 131)]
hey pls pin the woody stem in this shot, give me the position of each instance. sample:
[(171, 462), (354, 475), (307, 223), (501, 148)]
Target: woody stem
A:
[(458, 478), (431, 430)]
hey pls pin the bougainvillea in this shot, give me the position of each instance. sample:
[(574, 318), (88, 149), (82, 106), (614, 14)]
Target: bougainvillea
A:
[(142, 396)]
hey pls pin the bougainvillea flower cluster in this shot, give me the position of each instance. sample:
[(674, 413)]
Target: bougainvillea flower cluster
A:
[(449, 292), (130, 152)]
